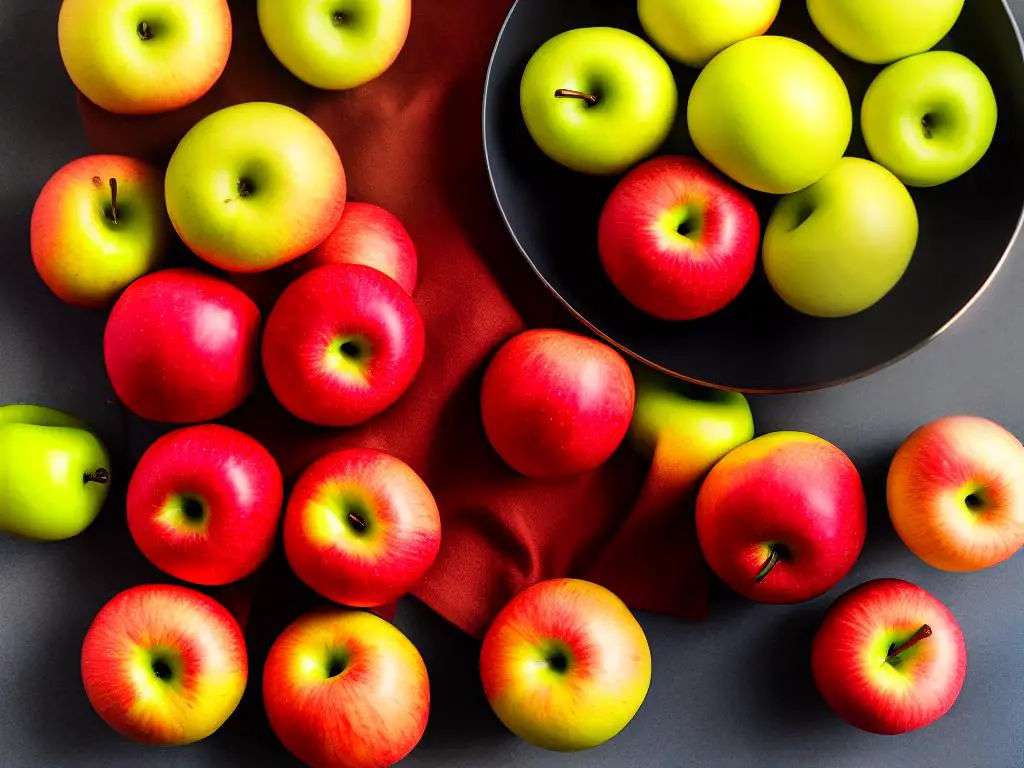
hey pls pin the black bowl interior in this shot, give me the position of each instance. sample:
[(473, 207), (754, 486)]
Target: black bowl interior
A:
[(758, 344)]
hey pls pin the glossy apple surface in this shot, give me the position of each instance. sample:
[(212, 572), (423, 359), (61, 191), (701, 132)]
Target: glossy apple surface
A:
[(782, 518), (677, 239), (956, 493), (565, 665), (695, 31), (346, 688), (889, 657)]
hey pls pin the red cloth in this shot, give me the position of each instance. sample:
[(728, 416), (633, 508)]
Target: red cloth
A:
[(411, 142)]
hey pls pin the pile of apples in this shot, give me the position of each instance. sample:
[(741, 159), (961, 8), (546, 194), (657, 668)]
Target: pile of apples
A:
[(679, 236)]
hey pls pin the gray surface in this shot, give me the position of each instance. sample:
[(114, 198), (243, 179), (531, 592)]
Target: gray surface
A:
[(734, 690)]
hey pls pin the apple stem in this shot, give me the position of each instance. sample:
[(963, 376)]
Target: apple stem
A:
[(357, 521), (145, 31), (566, 93), (766, 568), (921, 634), (100, 477), (113, 200)]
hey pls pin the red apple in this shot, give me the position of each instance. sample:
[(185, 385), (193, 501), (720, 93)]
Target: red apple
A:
[(204, 503), (556, 404), (782, 519), (342, 344), (164, 664), (361, 527), (346, 689), (956, 493), (677, 239), (182, 346), (889, 657)]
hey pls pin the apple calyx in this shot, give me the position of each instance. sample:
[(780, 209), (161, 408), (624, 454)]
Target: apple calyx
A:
[(774, 556), (894, 653), (928, 125), (113, 200), (568, 93), (340, 18), (145, 31), (99, 476)]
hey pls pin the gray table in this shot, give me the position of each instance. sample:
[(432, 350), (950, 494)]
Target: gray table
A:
[(734, 690)]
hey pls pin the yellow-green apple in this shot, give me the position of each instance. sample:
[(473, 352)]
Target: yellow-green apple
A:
[(889, 657), (882, 31), (677, 239), (139, 57), (929, 118), (182, 346), (361, 527), (342, 344), (254, 186), (782, 519), (204, 504), (335, 45), (771, 113), (54, 473), (839, 246), (695, 31), (598, 99), (367, 234), (955, 492), (98, 224), (565, 665), (346, 689), (164, 665), (555, 403)]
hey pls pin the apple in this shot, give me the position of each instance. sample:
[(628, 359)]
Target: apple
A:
[(839, 246), (139, 57), (782, 518), (204, 503), (771, 113), (254, 186), (598, 99), (565, 665), (678, 240), (339, 45), (695, 31), (889, 657), (182, 346), (882, 31), (929, 118), (98, 224), (54, 473), (556, 404), (367, 234), (346, 688), (164, 665), (955, 492), (361, 527)]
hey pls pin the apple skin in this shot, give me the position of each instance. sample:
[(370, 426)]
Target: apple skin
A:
[(254, 186), (556, 404), (335, 46), (632, 117), (186, 51), (204, 504), (83, 255), (658, 268), (882, 31), (786, 502), (164, 665), (812, 119), (361, 528), (346, 689), (565, 665), (342, 344), (839, 246), (182, 347), (695, 31), (850, 650), (929, 118), (955, 492)]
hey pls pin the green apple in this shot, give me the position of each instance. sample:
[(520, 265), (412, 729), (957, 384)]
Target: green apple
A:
[(335, 45), (929, 118), (598, 99), (882, 31), (695, 31), (54, 473), (839, 246), (771, 113)]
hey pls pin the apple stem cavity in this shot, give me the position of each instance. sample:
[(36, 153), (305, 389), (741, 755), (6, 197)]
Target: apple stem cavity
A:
[(928, 125), (358, 523), (340, 18), (894, 653), (773, 559), (145, 31), (567, 93), (113, 200), (99, 476)]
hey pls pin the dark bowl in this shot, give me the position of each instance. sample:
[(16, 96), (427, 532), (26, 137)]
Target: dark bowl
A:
[(758, 344)]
